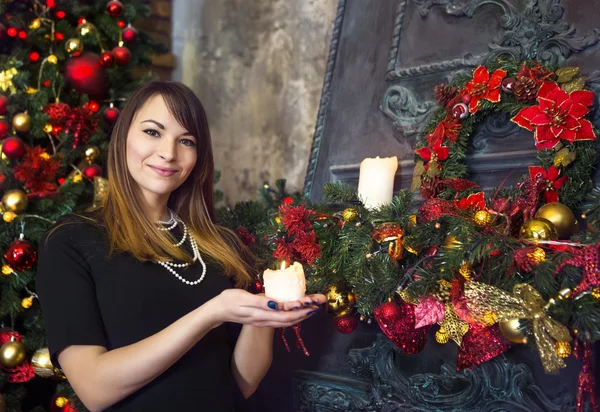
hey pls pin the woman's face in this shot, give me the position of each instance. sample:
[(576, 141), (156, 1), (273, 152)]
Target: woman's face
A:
[(161, 154)]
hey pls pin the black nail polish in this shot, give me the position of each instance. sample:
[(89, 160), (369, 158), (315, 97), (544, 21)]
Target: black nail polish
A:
[(306, 303), (311, 312), (297, 307), (272, 304)]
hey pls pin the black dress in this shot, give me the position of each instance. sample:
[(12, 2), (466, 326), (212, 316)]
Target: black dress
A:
[(88, 298)]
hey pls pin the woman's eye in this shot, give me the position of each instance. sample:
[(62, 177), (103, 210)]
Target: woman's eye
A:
[(152, 132), (188, 142)]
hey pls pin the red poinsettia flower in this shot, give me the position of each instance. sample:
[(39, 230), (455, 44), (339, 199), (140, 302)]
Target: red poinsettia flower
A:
[(436, 153), (553, 182), (559, 116), (484, 86), (475, 201), (449, 128)]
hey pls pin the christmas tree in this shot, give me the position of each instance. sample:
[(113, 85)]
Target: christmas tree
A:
[(66, 67)]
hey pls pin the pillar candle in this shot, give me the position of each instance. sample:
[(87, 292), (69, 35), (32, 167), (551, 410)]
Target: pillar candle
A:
[(376, 181), (285, 284)]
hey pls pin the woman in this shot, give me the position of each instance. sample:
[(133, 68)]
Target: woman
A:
[(136, 295)]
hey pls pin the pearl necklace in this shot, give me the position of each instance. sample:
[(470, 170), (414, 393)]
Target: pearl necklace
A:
[(170, 266)]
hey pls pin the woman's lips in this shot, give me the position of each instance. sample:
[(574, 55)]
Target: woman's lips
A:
[(163, 172)]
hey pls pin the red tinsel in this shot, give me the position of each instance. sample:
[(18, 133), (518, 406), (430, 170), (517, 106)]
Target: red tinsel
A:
[(37, 170), (301, 243), (295, 218), (460, 185), (305, 244), (299, 341), (588, 260), (284, 250), (434, 209), (247, 237), (586, 384), (58, 113), (524, 260), (480, 344), (397, 321)]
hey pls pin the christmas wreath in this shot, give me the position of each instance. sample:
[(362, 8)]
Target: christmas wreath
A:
[(489, 272)]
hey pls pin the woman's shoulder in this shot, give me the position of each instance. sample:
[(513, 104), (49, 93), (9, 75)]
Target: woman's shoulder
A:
[(77, 227)]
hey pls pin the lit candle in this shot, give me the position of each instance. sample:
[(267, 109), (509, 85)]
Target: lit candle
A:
[(376, 181), (286, 284)]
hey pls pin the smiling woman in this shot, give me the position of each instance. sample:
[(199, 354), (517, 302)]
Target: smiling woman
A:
[(150, 275)]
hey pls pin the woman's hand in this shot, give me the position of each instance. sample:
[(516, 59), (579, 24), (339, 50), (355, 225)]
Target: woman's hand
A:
[(239, 306)]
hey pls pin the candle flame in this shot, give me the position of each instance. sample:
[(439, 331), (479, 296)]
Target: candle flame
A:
[(283, 264)]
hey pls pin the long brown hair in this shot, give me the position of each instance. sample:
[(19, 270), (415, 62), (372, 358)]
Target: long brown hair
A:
[(193, 201)]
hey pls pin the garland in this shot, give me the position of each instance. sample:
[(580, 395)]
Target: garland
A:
[(488, 272)]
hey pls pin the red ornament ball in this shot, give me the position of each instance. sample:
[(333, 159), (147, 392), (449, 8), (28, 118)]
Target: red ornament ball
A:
[(121, 23), (93, 106), (4, 129), (255, 287), (346, 323), (34, 56), (46, 83), (61, 180), (107, 59), (92, 171), (111, 115), (13, 148), (20, 255), (85, 74), (12, 32), (466, 98), (22, 35), (460, 111), (59, 36), (81, 20), (508, 85), (288, 200), (3, 104), (122, 55), (114, 8), (60, 14), (130, 34)]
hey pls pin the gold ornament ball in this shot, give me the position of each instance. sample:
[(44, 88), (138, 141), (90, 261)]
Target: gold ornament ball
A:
[(563, 349), (27, 302), (339, 303), (74, 47), (85, 29), (22, 122), (35, 24), (42, 365), (48, 128), (539, 229), (8, 216), (61, 401), (91, 153), (482, 218), (349, 214), (12, 354), (596, 293), (6, 270), (514, 330), (52, 59), (489, 319), (441, 336), (15, 200), (561, 216)]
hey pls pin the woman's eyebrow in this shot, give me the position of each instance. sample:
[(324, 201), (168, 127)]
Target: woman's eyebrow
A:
[(160, 126)]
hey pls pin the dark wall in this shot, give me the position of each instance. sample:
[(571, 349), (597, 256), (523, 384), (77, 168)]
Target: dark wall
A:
[(386, 56)]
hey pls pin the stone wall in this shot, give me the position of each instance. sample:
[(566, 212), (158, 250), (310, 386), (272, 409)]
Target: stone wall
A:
[(257, 66)]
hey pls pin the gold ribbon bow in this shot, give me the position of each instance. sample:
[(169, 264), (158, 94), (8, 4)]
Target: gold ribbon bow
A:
[(6, 82), (524, 303)]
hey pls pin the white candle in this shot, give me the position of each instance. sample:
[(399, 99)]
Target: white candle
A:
[(285, 284), (376, 181)]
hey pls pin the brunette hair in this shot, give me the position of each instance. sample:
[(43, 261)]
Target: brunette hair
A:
[(193, 201)]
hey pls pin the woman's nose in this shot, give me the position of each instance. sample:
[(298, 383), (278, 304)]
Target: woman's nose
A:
[(166, 149)]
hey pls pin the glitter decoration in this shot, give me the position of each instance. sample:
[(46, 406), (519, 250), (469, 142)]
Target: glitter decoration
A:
[(563, 349), (455, 326), (588, 260), (397, 321), (299, 342), (586, 383), (480, 344)]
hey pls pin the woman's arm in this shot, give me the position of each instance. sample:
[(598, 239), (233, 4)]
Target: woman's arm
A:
[(253, 351), (102, 378)]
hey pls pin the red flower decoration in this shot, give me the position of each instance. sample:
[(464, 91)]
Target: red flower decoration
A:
[(449, 128), (551, 179), (295, 218), (484, 86), (37, 170), (436, 153), (538, 73), (473, 201), (559, 116)]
